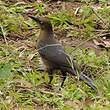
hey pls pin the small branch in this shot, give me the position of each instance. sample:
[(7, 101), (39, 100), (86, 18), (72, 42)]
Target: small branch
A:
[(104, 34), (101, 30), (49, 92), (98, 15)]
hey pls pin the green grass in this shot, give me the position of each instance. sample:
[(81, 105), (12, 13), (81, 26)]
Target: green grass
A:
[(22, 87)]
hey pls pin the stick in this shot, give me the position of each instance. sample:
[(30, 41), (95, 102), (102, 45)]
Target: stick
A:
[(98, 15), (49, 92)]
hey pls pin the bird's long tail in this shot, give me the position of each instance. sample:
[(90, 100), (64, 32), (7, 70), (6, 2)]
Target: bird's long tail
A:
[(83, 77)]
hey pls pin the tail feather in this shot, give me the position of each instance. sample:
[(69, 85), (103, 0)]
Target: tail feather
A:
[(87, 80), (83, 77)]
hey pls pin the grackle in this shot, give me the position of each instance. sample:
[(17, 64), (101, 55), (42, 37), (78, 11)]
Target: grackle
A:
[(53, 54)]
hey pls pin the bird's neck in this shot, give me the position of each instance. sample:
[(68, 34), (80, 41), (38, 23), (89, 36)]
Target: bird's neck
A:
[(46, 38), (44, 35)]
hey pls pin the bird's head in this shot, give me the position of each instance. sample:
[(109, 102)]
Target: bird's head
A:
[(43, 22)]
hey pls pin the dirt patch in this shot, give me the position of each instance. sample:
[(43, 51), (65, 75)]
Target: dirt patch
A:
[(54, 6), (74, 42)]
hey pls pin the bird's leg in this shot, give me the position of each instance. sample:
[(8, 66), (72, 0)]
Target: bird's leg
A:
[(50, 75), (50, 78), (64, 77)]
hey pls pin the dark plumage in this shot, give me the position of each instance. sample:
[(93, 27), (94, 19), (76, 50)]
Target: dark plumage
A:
[(54, 55)]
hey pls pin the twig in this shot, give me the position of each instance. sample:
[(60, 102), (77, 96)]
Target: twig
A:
[(98, 15), (101, 30), (23, 87), (104, 34)]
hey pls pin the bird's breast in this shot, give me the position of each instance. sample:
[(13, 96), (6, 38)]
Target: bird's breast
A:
[(48, 65)]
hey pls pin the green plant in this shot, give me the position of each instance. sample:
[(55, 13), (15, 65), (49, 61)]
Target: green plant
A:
[(61, 18)]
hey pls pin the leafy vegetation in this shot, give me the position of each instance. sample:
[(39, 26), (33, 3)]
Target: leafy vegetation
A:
[(22, 86)]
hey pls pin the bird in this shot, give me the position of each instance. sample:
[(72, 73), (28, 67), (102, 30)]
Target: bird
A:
[(54, 55)]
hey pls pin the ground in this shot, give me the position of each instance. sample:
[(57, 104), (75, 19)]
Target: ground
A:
[(24, 82)]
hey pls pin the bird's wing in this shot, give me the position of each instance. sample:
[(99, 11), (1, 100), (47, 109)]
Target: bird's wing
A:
[(56, 54)]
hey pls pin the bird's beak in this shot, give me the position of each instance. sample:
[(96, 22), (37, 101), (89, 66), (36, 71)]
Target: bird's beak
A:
[(35, 18)]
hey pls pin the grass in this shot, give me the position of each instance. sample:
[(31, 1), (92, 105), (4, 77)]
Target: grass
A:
[(23, 87)]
